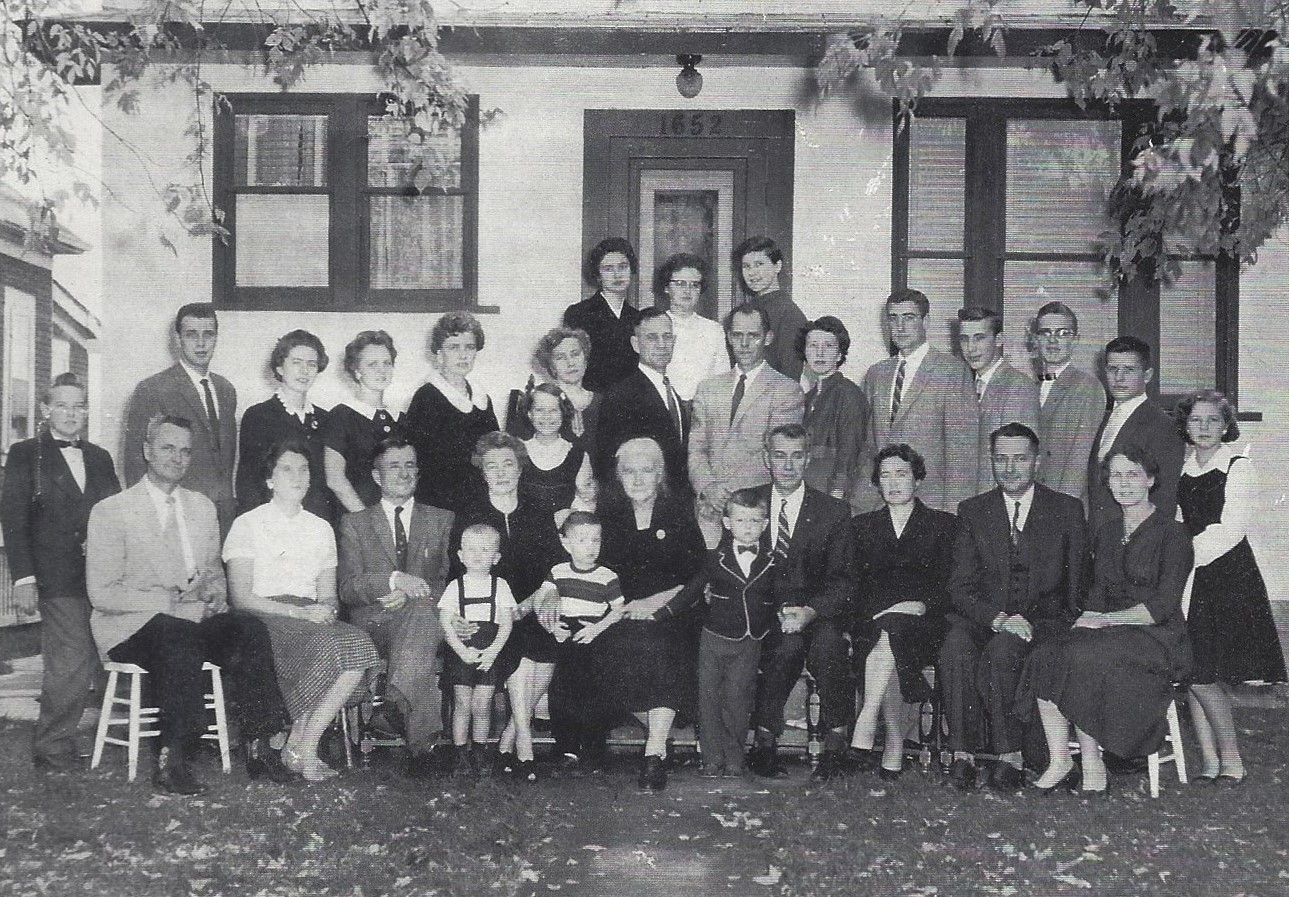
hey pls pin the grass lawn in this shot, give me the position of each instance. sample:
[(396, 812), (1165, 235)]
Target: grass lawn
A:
[(370, 832)]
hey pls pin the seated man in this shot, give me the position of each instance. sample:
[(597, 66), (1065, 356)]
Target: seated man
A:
[(393, 567), (1017, 564), (158, 592)]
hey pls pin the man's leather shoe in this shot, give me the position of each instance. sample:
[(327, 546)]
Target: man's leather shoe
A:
[(435, 763), (653, 775), (764, 760), (862, 760), (889, 775), (831, 766), (264, 762), (387, 723), (55, 762), (962, 775), (1006, 777), (174, 777)]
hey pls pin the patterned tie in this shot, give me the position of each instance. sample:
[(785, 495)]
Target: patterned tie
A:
[(980, 388), (400, 540), (897, 392), (673, 408), (1015, 533), (210, 411), (738, 396), (783, 536)]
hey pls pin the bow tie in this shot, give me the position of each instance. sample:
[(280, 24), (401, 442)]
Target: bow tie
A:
[(1050, 376), (749, 549), (65, 443)]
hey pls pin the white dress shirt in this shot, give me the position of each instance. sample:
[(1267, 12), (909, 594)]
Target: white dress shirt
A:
[(197, 376), (1026, 502), (793, 511), (161, 501), (699, 353), (1119, 414), (1045, 385)]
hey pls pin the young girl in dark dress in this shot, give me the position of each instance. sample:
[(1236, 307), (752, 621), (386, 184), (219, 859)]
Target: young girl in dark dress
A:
[(557, 473), (355, 427)]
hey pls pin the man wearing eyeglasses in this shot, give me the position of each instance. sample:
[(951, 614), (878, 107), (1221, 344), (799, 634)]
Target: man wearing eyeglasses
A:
[(1071, 403)]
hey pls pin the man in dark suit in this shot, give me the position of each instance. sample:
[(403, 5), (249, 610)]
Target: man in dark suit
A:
[(188, 389), (644, 404), (1071, 404), (607, 316), (810, 535), (1017, 566), (393, 568), (50, 484), (1134, 420)]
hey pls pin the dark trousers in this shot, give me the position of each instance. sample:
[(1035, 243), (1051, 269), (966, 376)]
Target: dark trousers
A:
[(726, 694), (578, 725), (172, 650), (70, 664), (981, 670), (824, 650)]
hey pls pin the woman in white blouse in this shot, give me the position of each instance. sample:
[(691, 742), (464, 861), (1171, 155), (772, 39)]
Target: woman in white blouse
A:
[(282, 567), (700, 349)]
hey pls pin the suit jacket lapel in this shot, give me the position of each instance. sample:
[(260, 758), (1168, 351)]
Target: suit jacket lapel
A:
[(384, 536), (60, 473), (751, 394), (195, 401), (913, 387), (999, 527)]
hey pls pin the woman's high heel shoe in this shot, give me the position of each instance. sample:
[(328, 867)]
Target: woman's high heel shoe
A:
[(1067, 782), (312, 768)]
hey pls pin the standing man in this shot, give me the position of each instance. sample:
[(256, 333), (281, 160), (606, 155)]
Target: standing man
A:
[(1134, 420), (1071, 404), (922, 397), (759, 262), (157, 585), (1004, 395), (50, 484), (393, 567), (607, 316), (189, 390), (646, 404), (733, 413), (811, 542), (1017, 566)]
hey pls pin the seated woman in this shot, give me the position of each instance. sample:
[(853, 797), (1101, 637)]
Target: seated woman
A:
[(903, 556), (282, 567), (560, 357), (1111, 676), (836, 409), (556, 473), (355, 427), (1229, 620)]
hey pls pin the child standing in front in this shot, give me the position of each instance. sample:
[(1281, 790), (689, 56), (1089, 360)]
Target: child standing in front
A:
[(480, 597), (741, 609)]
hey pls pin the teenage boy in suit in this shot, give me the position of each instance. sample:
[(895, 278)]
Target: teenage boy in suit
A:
[(1071, 404)]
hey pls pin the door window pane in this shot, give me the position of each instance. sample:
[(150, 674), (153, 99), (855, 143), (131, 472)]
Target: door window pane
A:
[(937, 183), (282, 240), (416, 242), (685, 221), (1059, 176), (1188, 330), (281, 151), (1027, 286)]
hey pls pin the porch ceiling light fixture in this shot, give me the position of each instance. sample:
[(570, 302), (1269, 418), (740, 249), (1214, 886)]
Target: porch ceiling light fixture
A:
[(690, 81)]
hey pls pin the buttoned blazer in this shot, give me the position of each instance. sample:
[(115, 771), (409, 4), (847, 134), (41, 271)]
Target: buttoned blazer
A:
[(938, 417), (1153, 429), (634, 409), (367, 557), (818, 569), (1053, 546), (1010, 397), (172, 392), (738, 604), (612, 357), (132, 575), (1068, 423), (836, 421), (913, 566), (44, 536), (731, 453)]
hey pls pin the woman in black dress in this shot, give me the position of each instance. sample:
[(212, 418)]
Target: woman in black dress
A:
[(1229, 619), (297, 360), (1111, 676), (903, 555), (607, 315), (355, 427), (556, 472), (448, 415)]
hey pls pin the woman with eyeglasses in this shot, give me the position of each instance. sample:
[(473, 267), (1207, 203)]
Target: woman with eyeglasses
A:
[(699, 351)]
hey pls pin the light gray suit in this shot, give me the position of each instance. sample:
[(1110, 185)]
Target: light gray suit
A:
[(1010, 397), (1068, 423)]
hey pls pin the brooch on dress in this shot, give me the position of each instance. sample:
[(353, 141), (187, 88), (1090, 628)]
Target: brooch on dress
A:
[(660, 534)]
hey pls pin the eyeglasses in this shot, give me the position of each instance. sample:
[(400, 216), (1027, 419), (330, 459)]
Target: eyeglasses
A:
[(686, 284), (1059, 333)]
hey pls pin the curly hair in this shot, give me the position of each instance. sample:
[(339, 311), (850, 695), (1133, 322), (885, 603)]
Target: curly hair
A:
[(1212, 396), (294, 340), (550, 341), (364, 340), (454, 324)]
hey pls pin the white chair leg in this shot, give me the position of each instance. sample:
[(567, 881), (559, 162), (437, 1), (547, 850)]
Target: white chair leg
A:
[(104, 719), (218, 731), (136, 706), (1175, 734), (1152, 767)]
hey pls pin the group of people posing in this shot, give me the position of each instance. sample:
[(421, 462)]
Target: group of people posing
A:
[(678, 517)]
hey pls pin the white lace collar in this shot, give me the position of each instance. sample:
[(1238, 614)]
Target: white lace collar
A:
[(1221, 460)]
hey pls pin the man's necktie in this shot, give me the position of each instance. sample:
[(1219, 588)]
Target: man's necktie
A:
[(400, 540), (738, 396), (211, 414), (980, 388), (783, 536), (171, 539), (673, 407), (68, 443), (897, 392), (1015, 534)]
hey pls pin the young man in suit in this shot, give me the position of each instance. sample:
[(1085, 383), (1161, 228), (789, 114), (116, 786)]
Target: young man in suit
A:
[(811, 540), (644, 404), (1003, 394), (733, 412), (1017, 566), (189, 390), (924, 398), (1071, 404), (50, 484), (393, 567), (157, 585)]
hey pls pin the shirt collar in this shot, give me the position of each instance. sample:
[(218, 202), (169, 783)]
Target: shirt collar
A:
[(195, 375), (1026, 502), (1124, 409), (916, 356), (460, 399), (654, 377), (308, 409), (1221, 460), (390, 507), (1058, 370), (794, 500), (366, 409), (988, 373), (752, 374)]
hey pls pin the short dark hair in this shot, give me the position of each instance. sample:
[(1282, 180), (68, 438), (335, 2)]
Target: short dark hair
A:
[(757, 243), (747, 308), (294, 340), (980, 313), (157, 421), (454, 324), (826, 324), (576, 519), (788, 431), (67, 378), (388, 444), (1135, 345), (1137, 454), (649, 314), (1188, 403), (591, 267), (1013, 430), (904, 452), (1058, 308), (917, 297), (362, 341), (489, 442), (203, 310), (550, 341), (747, 498), (291, 445), (681, 260)]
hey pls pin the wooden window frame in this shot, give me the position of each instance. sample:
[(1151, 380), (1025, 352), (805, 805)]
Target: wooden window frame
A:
[(350, 217)]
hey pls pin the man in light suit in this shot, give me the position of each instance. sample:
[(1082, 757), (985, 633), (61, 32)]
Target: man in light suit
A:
[(1004, 394), (157, 587), (924, 398), (393, 568), (733, 413), (1017, 568), (50, 484), (1071, 404), (189, 390), (1134, 420), (645, 404)]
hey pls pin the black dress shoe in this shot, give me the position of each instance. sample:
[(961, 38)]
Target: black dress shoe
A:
[(863, 759), (653, 775), (962, 775), (1006, 777), (830, 767), (435, 763), (1228, 781), (1068, 782), (764, 760), (262, 762), (889, 775), (174, 777)]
